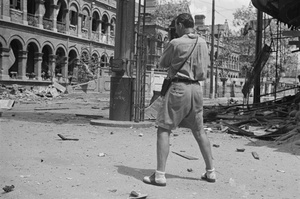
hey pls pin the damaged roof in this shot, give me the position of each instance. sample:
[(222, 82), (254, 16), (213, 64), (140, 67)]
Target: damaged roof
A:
[(286, 11)]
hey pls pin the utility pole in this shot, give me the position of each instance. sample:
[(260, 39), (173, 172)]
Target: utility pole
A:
[(256, 96), (212, 52)]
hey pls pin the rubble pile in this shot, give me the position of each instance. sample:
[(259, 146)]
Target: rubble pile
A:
[(25, 93), (275, 120)]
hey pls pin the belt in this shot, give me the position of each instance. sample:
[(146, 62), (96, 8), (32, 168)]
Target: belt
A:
[(184, 80)]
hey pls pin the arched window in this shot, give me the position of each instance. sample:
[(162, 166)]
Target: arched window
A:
[(104, 61), (85, 19), (16, 4), (73, 15), (95, 21), (104, 25), (112, 26)]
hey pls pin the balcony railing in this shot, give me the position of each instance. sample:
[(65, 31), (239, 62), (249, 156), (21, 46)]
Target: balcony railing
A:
[(73, 30), (104, 38), (111, 40), (95, 36), (85, 33), (16, 15), (32, 20), (61, 27), (48, 24)]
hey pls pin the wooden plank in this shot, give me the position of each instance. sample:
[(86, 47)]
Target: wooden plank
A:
[(64, 138), (50, 108), (291, 33), (240, 131), (89, 116), (185, 156)]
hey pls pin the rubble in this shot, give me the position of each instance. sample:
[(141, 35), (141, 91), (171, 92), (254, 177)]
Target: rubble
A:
[(25, 93), (274, 120)]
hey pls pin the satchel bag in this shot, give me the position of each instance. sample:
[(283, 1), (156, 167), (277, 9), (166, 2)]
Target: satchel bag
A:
[(165, 86), (168, 81)]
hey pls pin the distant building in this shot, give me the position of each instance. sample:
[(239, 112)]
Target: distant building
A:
[(156, 29), (225, 60), (43, 39)]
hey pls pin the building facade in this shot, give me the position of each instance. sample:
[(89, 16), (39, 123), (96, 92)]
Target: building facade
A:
[(41, 39), (225, 60)]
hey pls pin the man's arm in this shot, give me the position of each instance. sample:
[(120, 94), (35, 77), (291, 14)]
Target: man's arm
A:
[(166, 58)]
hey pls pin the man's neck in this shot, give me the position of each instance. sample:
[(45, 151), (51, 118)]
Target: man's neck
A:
[(187, 31)]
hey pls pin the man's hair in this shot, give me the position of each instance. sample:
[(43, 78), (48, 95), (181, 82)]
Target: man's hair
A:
[(186, 19)]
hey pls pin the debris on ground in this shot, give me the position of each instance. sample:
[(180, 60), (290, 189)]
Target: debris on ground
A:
[(8, 188), (185, 156), (136, 195), (64, 138), (275, 120)]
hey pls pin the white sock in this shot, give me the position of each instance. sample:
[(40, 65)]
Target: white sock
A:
[(210, 170), (159, 175)]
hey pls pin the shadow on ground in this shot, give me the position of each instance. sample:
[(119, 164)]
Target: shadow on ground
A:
[(292, 147), (139, 174)]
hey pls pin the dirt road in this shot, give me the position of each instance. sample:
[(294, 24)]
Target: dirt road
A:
[(110, 162)]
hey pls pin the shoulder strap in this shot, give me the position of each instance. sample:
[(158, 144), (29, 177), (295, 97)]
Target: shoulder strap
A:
[(189, 54)]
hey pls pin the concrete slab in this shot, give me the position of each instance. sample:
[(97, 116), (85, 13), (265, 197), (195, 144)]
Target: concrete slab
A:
[(122, 124)]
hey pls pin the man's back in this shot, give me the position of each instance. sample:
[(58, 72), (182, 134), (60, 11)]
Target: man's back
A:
[(178, 51)]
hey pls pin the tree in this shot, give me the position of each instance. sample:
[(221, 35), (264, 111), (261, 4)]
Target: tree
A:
[(245, 37), (167, 10)]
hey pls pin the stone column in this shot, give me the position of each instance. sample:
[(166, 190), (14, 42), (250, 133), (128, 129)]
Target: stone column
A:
[(79, 22), (54, 14), (38, 58), (99, 30), (64, 70), (4, 63), (22, 65), (67, 20), (90, 27), (52, 64), (40, 13), (25, 22), (5, 7)]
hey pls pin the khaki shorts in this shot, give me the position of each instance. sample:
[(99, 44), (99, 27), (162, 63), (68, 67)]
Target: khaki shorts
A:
[(182, 106)]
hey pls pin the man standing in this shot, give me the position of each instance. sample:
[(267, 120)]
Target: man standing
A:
[(183, 103)]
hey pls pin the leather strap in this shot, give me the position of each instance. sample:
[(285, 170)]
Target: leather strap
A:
[(189, 55)]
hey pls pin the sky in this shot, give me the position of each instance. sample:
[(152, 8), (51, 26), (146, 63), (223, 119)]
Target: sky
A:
[(224, 9)]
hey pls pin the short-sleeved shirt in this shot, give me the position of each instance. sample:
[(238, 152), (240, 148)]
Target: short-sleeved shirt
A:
[(178, 50), (183, 103)]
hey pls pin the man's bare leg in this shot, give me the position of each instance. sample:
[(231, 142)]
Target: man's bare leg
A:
[(162, 148), (205, 148)]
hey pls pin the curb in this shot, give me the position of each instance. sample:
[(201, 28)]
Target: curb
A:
[(122, 124)]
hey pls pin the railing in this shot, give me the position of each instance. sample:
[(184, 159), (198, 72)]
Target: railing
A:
[(85, 33), (16, 15), (95, 36), (104, 38), (111, 40), (48, 24), (61, 27), (73, 30), (32, 20)]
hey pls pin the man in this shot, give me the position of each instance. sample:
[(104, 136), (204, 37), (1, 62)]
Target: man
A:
[(183, 103)]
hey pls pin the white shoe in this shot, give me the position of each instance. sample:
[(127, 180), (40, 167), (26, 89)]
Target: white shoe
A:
[(209, 175), (154, 181)]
